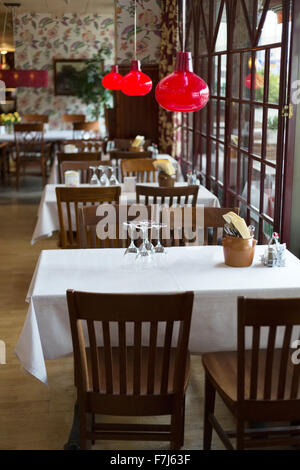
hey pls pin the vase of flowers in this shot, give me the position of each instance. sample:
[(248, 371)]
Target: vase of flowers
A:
[(8, 120)]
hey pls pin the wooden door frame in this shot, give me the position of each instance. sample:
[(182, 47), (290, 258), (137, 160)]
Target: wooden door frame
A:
[(290, 132)]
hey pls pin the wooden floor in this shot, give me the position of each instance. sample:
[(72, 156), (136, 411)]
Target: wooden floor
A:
[(33, 416)]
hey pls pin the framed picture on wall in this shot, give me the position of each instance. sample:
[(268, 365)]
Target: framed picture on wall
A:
[(64, 71)]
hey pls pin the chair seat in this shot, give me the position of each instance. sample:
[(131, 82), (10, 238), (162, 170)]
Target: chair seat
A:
[(144, 369), (221, 367)]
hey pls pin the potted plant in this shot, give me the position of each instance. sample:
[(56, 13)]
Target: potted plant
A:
[(88, 84)]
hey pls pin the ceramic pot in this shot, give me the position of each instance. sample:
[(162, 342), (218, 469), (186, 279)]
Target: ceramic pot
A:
[(166, 181), (238, 252)]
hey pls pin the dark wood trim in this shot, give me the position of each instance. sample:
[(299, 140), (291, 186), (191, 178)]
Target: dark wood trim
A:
[(291, 127)]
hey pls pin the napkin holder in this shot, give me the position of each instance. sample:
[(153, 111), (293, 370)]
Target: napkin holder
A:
[(166, 181), (238, 252)]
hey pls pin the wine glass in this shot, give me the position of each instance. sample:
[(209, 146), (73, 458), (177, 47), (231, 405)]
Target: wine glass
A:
[(94, 179), (144, 254), (113, 179), (159, 248), (131, 251), (131, 248), (104, 181)]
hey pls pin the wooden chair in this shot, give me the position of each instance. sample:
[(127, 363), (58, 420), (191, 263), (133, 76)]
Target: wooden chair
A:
[(127, 380), (30, 149), (83, 168), (209, 219), (116, 237), (257, 385), (71, 118), (76, 157), (126, 154), (36, 118), (71, 198), (142, 168), (158, 195), (81, 129), (181, 221)]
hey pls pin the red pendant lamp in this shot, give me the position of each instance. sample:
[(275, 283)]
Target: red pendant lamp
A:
[(258, 81), (182, 90), (258, 78), (136, 83), (113, 80)]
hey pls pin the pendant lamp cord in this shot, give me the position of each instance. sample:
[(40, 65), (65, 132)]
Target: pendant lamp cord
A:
[(183, 24), (134, 29)]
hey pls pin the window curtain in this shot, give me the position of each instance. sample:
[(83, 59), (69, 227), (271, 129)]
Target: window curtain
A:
[(168, 50)]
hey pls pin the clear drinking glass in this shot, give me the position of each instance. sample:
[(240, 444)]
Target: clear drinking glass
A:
[(144, 255), (94, 179), (104, 181), (113, 179), (159, 248), (131, 249)]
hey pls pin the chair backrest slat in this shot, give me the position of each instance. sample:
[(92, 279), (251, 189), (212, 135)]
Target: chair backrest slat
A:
[(94, 355), (166, 357), (122, 358), (254, 362), (152, 351), (137, 358), (269, 362), (285, 352), (107, 357)]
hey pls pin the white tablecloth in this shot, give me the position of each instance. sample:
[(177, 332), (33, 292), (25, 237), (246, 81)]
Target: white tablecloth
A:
[(46, 332), (54, 174), (49, 136), (47, 221)]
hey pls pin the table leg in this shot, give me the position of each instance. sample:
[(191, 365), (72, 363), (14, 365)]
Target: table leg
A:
[(74, 437)]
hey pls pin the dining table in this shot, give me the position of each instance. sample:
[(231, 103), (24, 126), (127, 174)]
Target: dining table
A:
[(55, 135), (47, 218), (46, 332)]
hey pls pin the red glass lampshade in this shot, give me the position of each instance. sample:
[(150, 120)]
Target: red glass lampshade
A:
[(258, 81), (182, 90), (24, 78), (136, 83), (113, 80)]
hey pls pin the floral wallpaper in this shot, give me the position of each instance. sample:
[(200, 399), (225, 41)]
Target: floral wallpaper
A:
[(148, 30), (41, 37), (166, 65)]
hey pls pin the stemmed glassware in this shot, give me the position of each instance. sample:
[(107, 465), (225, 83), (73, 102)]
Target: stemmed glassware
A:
[(94, 179), (146, 253), (131, 248), (159, 248), (113, 179), (104, 181)]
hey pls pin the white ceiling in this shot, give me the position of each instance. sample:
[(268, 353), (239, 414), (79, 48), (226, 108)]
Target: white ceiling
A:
[(62, 6)]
